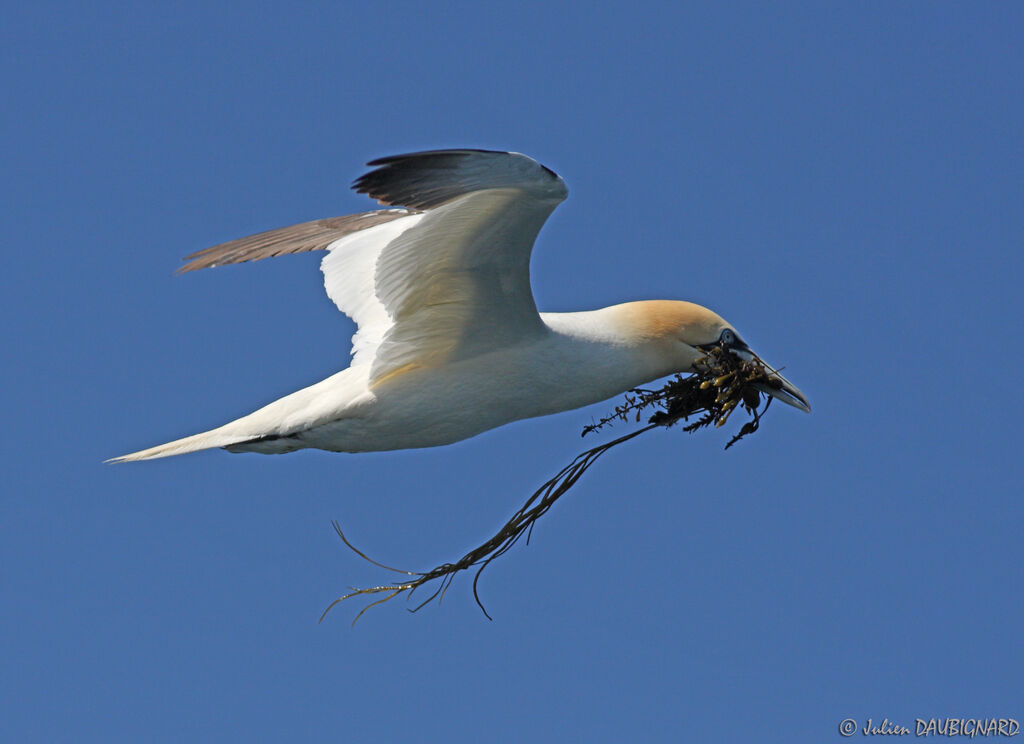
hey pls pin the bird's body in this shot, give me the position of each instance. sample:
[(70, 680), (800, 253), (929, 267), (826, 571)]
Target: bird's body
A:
[(450, 343)]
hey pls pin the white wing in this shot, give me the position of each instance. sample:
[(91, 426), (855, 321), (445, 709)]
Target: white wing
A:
[(447, 278)]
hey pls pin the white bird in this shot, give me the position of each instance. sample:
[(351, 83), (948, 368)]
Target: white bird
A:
[(449, 341)]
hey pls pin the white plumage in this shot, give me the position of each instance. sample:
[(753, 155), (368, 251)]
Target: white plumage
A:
[(449, 340)]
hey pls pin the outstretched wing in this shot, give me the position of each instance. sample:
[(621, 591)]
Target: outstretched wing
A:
[(446, 278), (316, 235), (456, 284)]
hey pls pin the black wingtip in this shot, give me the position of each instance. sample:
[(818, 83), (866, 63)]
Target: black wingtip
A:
[(431, 154), (430, 178), (417, 179)]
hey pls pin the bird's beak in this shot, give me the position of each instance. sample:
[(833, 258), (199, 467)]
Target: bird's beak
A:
[(778, 386)]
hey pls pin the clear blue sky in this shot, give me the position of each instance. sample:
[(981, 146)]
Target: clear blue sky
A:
[(843, 181)]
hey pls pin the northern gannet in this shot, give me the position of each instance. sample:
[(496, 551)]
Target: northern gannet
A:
[(449, 341)]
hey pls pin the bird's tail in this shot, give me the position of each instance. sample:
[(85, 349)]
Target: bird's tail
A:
[(221, 437), (267, 430)]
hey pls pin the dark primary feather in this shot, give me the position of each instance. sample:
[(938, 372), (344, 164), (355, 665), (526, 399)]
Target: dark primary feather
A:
[(428, 179), (420, 180), (307, 236)]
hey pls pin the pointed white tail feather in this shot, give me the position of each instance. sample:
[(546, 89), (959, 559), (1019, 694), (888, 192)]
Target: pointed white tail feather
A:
[(341, 395), (194, 443)]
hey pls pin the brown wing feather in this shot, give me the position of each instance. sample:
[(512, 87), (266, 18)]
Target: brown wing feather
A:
[(306, 236)]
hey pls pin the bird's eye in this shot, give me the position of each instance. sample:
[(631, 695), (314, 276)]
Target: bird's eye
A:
[(728, 338)]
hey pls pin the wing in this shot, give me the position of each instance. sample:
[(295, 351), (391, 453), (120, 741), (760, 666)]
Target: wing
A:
[(446, 277), (456, 284), (307, 236)]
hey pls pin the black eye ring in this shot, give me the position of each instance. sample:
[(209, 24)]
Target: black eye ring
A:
[(728, 338)]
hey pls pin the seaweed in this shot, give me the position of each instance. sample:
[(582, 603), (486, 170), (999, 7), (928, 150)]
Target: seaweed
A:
[(721, 383)]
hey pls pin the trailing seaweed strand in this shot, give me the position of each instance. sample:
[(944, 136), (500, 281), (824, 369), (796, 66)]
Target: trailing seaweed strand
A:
[(722, 384)]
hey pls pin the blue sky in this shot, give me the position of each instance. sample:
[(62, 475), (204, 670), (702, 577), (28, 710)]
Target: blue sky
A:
[(842, 181)]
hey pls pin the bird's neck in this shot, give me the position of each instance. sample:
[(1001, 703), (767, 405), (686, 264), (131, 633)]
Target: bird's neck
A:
[(600, 359)]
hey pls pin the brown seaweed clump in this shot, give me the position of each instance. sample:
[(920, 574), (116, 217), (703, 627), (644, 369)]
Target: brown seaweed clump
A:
[(722, 383)]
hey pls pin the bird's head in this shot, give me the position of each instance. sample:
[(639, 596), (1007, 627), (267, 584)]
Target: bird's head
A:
[(687, 332)]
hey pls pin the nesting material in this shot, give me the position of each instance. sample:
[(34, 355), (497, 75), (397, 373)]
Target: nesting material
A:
[(722, 384)]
